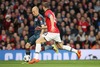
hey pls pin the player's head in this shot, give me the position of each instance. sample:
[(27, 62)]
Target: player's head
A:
[(35, 11), (45, 6)]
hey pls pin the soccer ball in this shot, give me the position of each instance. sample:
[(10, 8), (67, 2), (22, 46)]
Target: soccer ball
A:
[(27, 58)]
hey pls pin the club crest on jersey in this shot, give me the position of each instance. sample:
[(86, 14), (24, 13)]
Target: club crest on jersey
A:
[(35, 19)]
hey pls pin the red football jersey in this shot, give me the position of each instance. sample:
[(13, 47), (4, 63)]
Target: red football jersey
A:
[(48, 22)]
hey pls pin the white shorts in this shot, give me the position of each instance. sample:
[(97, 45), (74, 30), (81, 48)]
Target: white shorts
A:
[(52, 36)]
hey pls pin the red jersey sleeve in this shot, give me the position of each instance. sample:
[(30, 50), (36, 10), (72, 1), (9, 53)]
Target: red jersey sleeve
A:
[(47, 14)]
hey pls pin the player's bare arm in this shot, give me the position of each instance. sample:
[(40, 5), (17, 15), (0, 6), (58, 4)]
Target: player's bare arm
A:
[(42, 29)]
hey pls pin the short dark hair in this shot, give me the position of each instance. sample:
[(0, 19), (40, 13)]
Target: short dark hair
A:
[(46, 4)]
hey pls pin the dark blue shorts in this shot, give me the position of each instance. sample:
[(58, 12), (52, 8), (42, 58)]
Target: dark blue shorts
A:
[(33, 38)]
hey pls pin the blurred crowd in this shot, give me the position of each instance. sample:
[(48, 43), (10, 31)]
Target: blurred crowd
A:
[(77, 20)]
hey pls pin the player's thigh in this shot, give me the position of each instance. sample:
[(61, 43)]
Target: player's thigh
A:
[(48, 36), (33, 38), (41, 39), (57, 37)]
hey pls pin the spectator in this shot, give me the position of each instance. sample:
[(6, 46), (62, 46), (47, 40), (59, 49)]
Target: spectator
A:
[(66, 21), (2, 8), (62, 29), (2, 45), (7, 21), (18, 47), (22, 43), (91, 28), (74, 30), (72, 43), (78, 16), (82, 12), (53, 5), (24, 33), (26, 28), (92, 37), (72, 13), (84, 24), (81, 34), (25, 21), (20, 29), (59, 9), (3, 36), (97, 45), (8, 40), (97, 39), (90, 5), (66, 40), (68, 33), (86, 46), (90, 13), (95, 20), (78, 43), (77, 46), (1, 22), (10, 33), (31, 28), (86, 43), (97, 6), (59, 19), (26, 39), (8, 47), (17, 40), (13, 46)]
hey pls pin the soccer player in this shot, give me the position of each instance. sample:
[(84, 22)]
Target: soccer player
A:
[(38, 23), (52, 34)]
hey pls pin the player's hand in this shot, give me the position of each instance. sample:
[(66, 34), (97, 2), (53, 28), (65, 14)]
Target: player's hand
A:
[(53, 29), (38, 28), (41, 34)]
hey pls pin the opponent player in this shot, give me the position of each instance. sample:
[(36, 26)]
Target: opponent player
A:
[(38, 23), (53, 34)]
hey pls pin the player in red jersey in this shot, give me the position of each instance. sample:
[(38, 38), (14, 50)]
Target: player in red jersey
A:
[(52, 34)]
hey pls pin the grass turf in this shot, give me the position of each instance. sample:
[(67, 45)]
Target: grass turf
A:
[(56, 63)]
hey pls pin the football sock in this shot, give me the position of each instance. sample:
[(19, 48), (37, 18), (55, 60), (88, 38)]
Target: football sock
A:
[(36, 56), (27, 52), (37, 51), (69, 48)]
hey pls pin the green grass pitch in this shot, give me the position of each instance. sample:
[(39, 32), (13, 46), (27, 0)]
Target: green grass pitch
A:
[(53, 63)]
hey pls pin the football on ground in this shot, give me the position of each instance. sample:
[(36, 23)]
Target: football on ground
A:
[(27, 58)]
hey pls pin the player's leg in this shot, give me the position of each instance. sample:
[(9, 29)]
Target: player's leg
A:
[(30, 42), (55, 47), (27, 47), (66, 47), (40, 40), (37, 50)]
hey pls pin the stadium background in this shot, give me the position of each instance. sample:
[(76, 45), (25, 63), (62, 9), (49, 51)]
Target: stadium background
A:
[(78, 22)]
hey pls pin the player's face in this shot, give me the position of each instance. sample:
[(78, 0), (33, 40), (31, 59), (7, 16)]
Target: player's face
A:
[(34, 12)]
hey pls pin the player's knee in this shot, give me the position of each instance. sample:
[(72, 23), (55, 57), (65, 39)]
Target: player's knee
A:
[(60, 47), (38, 41), (27, 46)]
